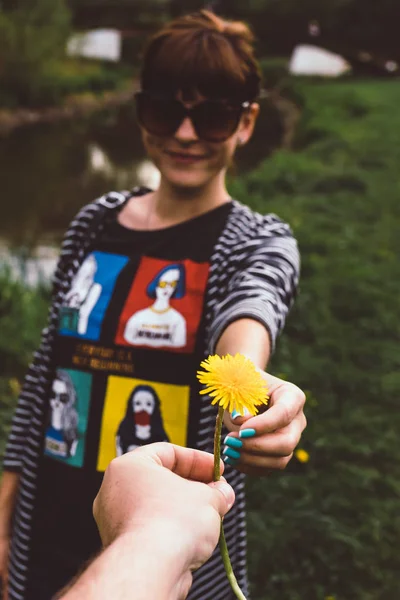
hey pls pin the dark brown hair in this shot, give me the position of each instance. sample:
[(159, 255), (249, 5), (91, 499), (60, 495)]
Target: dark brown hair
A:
[(202, 53)]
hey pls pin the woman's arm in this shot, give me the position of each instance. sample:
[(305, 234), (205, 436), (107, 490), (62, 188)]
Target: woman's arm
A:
[(247, 319), (275, 433), (8, 492), (248, 337)]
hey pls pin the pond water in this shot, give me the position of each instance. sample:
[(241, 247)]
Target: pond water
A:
[(47, 172)]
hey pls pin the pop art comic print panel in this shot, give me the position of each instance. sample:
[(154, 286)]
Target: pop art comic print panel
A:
[(65, 435), (138, 412), (85, 304), (164, 305)]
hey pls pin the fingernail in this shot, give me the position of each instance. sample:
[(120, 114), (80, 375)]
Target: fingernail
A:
[(227, 491), (229, 461), (231, 452), (233, 442), (247, 433), (236, 413)]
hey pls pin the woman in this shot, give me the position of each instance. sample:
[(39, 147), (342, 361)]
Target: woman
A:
[(200, 83)]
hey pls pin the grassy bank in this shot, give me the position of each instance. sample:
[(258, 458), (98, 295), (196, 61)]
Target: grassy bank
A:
[(326, 528)]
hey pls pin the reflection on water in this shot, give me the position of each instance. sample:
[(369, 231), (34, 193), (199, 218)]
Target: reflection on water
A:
[(142, 172), (48, 172)]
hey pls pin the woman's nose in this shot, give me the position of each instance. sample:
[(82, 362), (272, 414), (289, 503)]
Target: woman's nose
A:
[(186, 132)]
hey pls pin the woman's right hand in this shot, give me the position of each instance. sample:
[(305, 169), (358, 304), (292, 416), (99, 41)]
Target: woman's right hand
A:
[(4, 556)]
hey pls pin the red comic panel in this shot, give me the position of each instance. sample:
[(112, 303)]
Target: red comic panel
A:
[(164, 305)]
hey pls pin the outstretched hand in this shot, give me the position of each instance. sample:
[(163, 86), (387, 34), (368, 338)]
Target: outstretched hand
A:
[(168, 492), (270, 438)]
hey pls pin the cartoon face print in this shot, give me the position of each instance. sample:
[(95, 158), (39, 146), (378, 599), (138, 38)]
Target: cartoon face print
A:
[(143, 407), (160, 324), (61, 437), (142, 423), (59, 400), (167, 285)]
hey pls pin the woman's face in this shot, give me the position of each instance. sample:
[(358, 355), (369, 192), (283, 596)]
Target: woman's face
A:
[(186, 161)]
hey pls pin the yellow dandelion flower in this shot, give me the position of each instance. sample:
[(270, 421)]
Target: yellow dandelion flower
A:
[(302, 455), (234, 383)]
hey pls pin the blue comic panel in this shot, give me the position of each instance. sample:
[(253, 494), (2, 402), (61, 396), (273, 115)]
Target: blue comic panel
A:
[(65, 434), (85, 304)]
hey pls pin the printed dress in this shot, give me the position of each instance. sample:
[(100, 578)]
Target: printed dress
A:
[(132, 316)]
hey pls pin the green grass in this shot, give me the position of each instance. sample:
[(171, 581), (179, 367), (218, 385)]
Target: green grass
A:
[(329, 527), (67, 77)]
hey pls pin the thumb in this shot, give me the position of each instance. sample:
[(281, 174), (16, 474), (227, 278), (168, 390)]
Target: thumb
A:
[(224, 496), (233, 421)]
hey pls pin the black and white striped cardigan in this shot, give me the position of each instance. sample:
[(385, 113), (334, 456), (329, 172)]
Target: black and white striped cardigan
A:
[(253, 273)]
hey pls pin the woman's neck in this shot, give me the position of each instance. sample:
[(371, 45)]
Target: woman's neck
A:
[(172, 205)]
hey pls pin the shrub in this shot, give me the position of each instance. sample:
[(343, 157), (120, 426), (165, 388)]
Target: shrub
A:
[(274, 71), (32, 39)]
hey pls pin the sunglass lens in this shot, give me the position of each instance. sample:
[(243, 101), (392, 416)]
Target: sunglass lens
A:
[(215, 121), (159, 116)]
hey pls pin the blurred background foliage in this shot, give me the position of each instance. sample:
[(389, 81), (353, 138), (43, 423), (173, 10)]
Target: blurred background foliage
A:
[(33, 35), (327, 527)]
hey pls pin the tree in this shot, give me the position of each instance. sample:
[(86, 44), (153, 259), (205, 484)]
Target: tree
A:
[(33, 35)]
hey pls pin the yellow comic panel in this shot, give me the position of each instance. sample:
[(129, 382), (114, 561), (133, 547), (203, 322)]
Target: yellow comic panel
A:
[(138, 412)]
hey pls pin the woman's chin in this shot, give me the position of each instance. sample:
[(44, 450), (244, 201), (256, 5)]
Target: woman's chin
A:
[(184, 180)]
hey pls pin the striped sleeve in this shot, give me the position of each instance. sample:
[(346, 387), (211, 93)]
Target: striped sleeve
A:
[(22, 418), (31, 403), (35, 384), (265, 273), (37, 380)]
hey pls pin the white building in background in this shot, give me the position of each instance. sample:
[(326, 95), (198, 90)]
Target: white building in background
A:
[(312, 60), (101, 44)]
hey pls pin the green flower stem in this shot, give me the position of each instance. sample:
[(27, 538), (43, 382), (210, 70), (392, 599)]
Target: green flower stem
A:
[(217, 443), (228, 567), (217, 476)]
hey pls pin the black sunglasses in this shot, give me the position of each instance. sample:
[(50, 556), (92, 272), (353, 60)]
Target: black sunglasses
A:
[(213, 120)]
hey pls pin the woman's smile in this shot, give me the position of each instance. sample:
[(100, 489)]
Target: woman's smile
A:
[(181, 156)]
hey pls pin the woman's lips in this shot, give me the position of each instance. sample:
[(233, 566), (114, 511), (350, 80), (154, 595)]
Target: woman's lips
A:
[(184, 157)]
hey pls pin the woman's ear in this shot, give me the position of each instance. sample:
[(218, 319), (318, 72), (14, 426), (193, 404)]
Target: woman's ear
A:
[(247, 124)]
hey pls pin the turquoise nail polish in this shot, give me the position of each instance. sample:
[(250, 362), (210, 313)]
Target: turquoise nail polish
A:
[(233, 442), (231, 452), (229, 461), (235, 414), (247, 433)]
